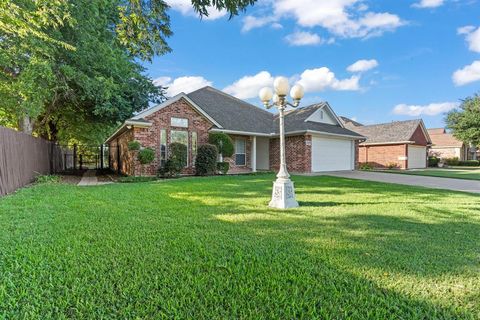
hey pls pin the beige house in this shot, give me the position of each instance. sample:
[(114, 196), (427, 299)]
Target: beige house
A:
[(445, 145)]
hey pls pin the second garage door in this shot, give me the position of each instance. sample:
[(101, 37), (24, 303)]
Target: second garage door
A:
[(417, 157), (332, 154)]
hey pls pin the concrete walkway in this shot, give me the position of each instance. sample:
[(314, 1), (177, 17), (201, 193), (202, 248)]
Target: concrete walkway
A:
[(89, 178), (411, 180)]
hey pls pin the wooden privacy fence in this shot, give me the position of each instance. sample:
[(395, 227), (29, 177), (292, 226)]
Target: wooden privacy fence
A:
[(22, 157)]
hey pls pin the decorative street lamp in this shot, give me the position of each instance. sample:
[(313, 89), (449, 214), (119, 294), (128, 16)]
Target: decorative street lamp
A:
[(283, 193)]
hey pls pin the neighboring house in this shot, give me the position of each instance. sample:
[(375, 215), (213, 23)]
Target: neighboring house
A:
[(316, 139), (445, 145), (403, 143)]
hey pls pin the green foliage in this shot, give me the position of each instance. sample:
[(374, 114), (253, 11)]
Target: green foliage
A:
[(177, 160), (433, 161), (133, 179), (465, 121), (134, 145), (223, 167), (47, 179), (146, 156), (469, 163), (452, 161), (206, 161), (210, 248), (223, 142), (366, 166)]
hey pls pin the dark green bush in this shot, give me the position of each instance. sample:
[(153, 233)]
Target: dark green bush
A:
[(223, 142), (134, 145), (177, 160), (206, 161), (366, 166), (469, 163), (433, 161), (452, 161), (47, 179), (223, 167), (146, 156)]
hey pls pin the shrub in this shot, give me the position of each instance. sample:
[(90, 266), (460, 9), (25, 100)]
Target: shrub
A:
[(366, 166), (176, 161), (223, 167), (223, 142), (206, 161), (392, 165), (134, 145), (146, 156), (452, 161), (469, 163), (47, 179), (433, 161)]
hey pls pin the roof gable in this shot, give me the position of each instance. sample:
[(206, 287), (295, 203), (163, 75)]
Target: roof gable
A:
[(176, 98)]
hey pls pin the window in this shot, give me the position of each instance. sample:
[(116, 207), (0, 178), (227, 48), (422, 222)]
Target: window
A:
[(180, 137), (194, 146), (321, 114), (163, 147), (179, 122), (240, 156)]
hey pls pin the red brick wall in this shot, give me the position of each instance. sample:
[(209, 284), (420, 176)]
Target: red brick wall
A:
[(419, 137), (298, 153), (127, 158), (241, 169), (382, 155), (150, 137)]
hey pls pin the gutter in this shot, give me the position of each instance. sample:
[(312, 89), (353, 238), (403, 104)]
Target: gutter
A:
[(129, 124)]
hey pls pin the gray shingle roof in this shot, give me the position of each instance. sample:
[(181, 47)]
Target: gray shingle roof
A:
[(232, 113), (295, 121), (397, 131), (347, 122)]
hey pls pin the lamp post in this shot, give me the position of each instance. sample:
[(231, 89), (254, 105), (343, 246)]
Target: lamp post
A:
[(283, 193)]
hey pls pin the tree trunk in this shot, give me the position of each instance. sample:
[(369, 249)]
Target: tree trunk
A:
[(26, 124)]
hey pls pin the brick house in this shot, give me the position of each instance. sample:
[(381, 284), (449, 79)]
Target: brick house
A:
[(316, 140), (400, 143)]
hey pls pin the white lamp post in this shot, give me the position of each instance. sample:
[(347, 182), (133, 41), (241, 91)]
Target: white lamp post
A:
[(283, 194)]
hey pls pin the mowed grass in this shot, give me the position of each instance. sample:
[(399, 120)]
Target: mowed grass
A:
[(464, 173), (209, 248)]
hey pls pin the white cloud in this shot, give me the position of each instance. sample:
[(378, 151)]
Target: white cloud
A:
[(467, 74), (363, 65), (252, 22), (182, 84), (303, 38), (343, 18), (431, 109), (428, 4), (472, 37), (185, 8), (249, 86), (320, 79)]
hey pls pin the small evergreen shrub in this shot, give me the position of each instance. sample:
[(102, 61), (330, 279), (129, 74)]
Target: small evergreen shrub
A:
[(452, 161), (177, 160), (366, 167), (146, 156), (206, 161), (433, 161), (469, 163), (47, 179), (223, 142), (134, 145), (223, 167)]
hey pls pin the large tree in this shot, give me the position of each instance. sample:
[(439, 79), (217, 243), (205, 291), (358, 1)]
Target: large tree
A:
[(69, 69), (465, 121)]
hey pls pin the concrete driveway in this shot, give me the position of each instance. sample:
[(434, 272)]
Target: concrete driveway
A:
[(411, 180)]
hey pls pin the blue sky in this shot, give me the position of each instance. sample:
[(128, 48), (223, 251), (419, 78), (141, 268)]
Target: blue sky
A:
[(375, 61)]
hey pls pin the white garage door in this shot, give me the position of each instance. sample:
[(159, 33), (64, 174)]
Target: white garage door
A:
[(331, 154), (417, 157)]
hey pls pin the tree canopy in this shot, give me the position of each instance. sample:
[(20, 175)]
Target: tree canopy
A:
[(70, 69), (465, 121)]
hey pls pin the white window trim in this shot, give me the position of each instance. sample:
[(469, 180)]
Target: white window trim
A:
[(244, 153)]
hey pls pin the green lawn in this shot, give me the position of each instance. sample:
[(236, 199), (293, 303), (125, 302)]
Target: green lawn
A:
[(458, 173), (207, 248)]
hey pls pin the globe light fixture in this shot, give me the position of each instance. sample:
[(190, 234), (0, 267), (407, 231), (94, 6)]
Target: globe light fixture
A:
[(283, 193)]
